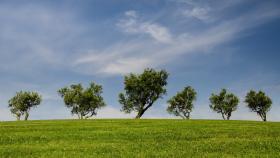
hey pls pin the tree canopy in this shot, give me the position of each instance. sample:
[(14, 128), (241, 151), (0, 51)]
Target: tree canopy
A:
[(224, 103), (259, 103), (83, 101), (22, 102), (142, 90), (182, 103)]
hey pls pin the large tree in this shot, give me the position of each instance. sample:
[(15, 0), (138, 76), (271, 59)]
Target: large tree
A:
[(224, 103), (83, 101), (142, 90), (259, 103), (182, 103), (22, 102)]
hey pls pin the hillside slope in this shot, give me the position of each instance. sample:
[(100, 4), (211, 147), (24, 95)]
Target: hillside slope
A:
[(139, 138)]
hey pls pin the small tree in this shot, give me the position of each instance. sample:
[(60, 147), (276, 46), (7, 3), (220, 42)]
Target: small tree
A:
[(224, 103), (22, 103), (182, 103), (83, 102), (259, 103), (142, 90)]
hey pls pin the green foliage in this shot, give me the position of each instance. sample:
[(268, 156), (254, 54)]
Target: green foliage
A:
[(83, 102), (224, 103), (22, 103), (182, 103), (115, 138), (142, 90), (259, 103)]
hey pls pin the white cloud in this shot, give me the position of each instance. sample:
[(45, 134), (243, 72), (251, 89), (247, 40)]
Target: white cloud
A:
[(132, 24), (198, 13), (131, 13), (123, 66), (134, 55), (33, 35), (47, 40), (206, 12), (114, 60)]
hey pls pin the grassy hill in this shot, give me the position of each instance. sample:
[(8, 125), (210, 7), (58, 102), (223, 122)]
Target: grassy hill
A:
[(139, 138)]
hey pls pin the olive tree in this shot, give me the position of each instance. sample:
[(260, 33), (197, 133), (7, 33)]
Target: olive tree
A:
[(182, 103), (83, 102), (259, 103), (224, 103), (22, 102), (142, 90)]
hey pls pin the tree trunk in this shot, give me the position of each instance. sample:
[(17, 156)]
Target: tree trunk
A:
[(223, 116), (80, 116), (187, 115), (264, 117), (139, 115), (142, 111), (228, 116), (26, 116), (18, 117)]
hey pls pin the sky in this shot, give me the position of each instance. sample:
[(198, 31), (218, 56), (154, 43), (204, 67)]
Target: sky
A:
[(209, 45)]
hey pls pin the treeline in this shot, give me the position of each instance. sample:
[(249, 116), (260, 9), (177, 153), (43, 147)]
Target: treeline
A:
[(140, 92)]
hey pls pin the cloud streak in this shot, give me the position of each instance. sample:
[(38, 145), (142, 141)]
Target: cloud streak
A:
[(34, 35), (132, 24), (134, 55)]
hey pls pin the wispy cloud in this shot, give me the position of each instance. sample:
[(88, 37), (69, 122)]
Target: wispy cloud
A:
[(198, 13), (34, 35), (134, 55), (132, 24), (48, 37)]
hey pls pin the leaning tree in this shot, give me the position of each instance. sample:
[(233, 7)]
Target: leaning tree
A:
[(259, 103), (182, 103), (22, 102), (142, 90), (224, 103), (83, 102)]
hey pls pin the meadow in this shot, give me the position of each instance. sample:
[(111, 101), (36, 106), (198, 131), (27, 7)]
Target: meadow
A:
[(139, 138)]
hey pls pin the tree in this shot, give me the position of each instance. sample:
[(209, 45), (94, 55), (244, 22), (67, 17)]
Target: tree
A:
[(83, 101), (182, 103), (142, 90), (22, 103), (259, 103), (224, 103)]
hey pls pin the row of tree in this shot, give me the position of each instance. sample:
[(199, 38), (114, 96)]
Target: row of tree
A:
[(140, 93)]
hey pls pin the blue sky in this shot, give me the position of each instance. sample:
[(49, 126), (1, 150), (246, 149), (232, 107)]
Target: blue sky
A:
[(46, 45)]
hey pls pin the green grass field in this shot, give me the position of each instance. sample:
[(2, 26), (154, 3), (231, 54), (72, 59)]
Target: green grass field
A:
[(139, 138)]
